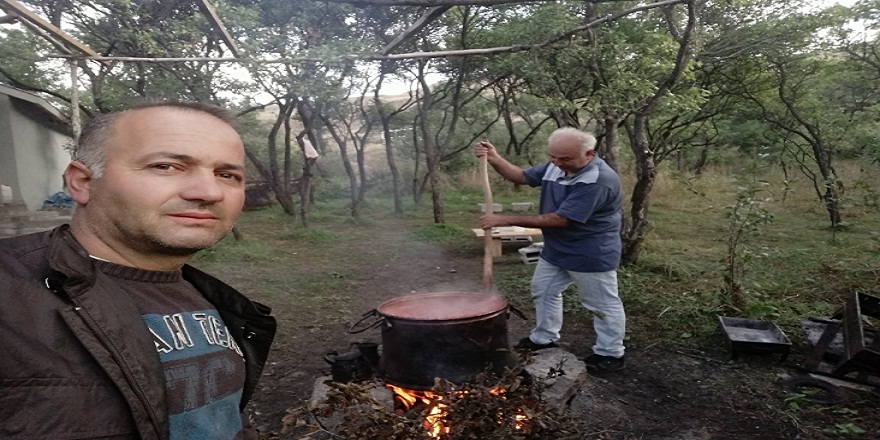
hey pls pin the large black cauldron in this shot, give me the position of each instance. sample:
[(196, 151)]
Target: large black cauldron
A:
[(450, 335)]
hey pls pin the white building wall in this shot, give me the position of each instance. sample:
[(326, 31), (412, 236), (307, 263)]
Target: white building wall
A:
[(38, 157), (8, 171)]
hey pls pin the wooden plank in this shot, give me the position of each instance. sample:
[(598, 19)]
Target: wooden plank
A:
[(509, 231), (26, 14), (812, 363), (52, 40), (506, 232), (869, 305), (853, 337), (211, 14), (858, 357), (155, 59)]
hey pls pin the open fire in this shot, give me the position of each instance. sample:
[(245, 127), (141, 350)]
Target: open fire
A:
[(437, 421), (527, 403)]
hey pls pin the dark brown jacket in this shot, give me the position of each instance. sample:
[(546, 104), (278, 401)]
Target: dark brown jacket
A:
[(77, 358)]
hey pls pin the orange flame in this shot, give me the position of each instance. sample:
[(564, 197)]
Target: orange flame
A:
[(435, 421)]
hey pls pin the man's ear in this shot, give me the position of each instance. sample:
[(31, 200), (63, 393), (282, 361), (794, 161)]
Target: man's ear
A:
[(78, 178)]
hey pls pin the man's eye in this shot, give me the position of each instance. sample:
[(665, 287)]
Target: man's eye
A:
[(163, 166), (230, 176)]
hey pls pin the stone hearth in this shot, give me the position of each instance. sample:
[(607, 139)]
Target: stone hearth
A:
[(560, 371)]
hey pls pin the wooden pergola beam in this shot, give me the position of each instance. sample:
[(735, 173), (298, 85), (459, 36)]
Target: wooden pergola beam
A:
[(26, 14), (46, 36), (211, 14)]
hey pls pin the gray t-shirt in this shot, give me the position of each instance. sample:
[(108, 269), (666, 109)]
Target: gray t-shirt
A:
[(204, 366)]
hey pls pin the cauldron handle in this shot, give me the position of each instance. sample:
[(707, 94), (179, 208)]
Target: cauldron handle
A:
[(517, 312), (366, 316)]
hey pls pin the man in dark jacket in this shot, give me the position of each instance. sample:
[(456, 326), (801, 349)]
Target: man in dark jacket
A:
[(107, 332)]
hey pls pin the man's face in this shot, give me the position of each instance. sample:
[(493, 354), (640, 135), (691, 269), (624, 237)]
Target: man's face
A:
[(173, 184), (565, 153)]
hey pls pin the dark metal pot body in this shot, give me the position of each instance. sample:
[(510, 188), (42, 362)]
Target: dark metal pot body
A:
[(454, 336)]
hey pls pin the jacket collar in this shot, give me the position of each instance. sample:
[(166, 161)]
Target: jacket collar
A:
[(70, 261)]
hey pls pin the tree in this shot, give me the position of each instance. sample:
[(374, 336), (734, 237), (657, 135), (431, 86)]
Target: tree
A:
[(131, 30), (386, 114), (792, 92), (683, 33), (441, 109), (308, 87)]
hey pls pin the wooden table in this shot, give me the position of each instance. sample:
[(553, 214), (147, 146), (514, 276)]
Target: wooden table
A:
[(508, 234)]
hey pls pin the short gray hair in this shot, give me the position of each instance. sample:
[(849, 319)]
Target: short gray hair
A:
[(585, 140), (97, 135)]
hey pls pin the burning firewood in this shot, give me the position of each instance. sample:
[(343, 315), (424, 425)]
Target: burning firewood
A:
[(492, 408)]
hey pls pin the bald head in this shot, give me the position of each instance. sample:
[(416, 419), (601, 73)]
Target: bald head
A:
[(99, 134), (583, 140), (571, 149)]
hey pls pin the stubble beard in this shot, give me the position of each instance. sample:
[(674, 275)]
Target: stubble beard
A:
[(176, 245)]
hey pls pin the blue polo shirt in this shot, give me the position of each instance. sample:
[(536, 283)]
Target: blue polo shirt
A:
[(592, 201)]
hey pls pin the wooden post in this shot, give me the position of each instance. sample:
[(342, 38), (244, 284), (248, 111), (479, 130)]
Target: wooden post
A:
[(74, 106), (487, 235)]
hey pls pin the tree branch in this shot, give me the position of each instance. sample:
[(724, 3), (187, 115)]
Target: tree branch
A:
[(31, 88), (427, 3), (421, 55)]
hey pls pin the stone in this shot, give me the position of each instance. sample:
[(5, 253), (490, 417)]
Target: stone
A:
[(496, 207), (378, 391), (561, 372), (530, 254)]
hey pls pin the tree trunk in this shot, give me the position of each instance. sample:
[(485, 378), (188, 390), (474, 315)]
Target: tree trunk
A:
[(307, 187), (385, 119), (830, 181), (392, 166), (346, 163), (646, 173), (436, 192), (646, 170), (288, 156), (703, 160), (513, 145), (282, 191), (822, 152), (416, 192), (306, 182), (611, 145), (362, 171), (432, 154)]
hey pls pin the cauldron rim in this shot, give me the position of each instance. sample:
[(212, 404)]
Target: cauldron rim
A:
[(442, 306)]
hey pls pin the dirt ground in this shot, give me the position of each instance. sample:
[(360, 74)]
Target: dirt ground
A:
[(666, 392)]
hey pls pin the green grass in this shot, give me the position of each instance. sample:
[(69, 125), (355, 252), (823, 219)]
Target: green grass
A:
[(449, 234), (798, 266)]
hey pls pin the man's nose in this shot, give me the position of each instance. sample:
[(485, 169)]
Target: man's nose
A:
[(203, 186)]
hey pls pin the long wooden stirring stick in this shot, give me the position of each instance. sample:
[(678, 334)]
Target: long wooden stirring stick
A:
[(487, 234)]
